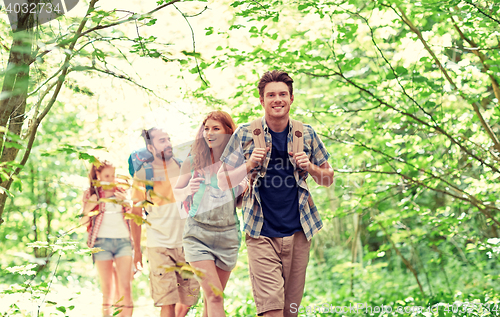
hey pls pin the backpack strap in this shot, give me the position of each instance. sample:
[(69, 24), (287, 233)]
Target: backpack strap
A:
[(148, 168), (298, 139), (178, 161), (297, 142), (298, 136), (258, 133), (297, 133), (131, 165), (259, 142), (298, 146)]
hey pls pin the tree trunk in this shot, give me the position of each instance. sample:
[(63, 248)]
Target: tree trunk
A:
[(15, 92), (16, 82)]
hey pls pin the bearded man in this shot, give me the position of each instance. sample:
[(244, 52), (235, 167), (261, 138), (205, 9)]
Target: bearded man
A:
[(164, 236)]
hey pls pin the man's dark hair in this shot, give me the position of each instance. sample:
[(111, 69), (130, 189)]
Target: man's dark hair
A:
[(146, 134), (274, 76)]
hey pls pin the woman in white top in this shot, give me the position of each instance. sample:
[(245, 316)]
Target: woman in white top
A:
[(109, 231)]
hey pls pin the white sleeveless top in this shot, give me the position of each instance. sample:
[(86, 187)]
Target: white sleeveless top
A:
[(113, 225)]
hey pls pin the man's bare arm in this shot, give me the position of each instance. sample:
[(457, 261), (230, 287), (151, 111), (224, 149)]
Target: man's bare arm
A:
[(322, 175), (236, 175), (135, 231)]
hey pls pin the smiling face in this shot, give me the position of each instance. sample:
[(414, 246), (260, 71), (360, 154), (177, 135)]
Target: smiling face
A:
[(276, 100), (161, 147), (107, 175), (214, 133)]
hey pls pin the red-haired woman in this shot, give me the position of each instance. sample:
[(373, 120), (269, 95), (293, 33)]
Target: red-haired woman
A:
[(211, 235), (109, 231)]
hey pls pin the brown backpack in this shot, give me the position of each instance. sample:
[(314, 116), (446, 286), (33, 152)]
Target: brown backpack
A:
[(297, 132), (260, 142)]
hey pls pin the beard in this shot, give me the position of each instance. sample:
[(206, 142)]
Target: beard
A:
[(164, 155)]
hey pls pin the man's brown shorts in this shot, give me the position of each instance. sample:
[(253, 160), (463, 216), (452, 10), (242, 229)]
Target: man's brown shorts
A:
[(278, 271), (168, 288)]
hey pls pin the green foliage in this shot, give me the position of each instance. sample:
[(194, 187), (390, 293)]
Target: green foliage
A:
[(401, 93), (414, 163)]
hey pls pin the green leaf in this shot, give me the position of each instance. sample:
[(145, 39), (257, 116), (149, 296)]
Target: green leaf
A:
[(4, 190), (400, 70), (193, 54), (237, 3), (419, 79), (236, 26), (151, 22)]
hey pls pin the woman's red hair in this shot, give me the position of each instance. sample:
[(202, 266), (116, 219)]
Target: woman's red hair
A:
[(93, 174), (200, 150)]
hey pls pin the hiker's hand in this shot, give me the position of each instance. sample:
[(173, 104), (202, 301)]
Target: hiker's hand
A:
[(90, 204), (138, 259), (92, 199), (301, 160), (120, 194), (194, 184), (257, 158)]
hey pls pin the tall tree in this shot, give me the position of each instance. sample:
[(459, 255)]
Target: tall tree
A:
[(42, 57)]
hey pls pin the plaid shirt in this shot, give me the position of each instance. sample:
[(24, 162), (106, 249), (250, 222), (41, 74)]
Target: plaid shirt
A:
[(239, 149), (95, 221)]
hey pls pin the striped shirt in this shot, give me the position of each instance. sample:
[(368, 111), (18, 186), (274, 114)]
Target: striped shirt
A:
[(238, 151)]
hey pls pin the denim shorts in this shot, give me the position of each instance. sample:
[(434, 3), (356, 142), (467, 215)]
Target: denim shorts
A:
[(113, 248)]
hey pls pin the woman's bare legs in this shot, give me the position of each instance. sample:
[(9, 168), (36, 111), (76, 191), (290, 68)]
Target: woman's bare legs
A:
[(217, 278), (124, 272), (115, 291), (105, 270)]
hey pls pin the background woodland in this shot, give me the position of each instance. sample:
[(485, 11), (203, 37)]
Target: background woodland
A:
[(404, 95)]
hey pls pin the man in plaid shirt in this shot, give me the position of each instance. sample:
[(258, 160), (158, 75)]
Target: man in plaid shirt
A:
[(279, 217)]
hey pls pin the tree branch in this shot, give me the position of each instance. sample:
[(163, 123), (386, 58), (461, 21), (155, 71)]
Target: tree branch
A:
[(45, 82), (111, 73), (58, 84), (194, 45), (37, 106), (482, 12), (392, 69), (482, 58), (471, 49), (410, 115), (101, 27), (415, 30), (197, 14), (464, 196)]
